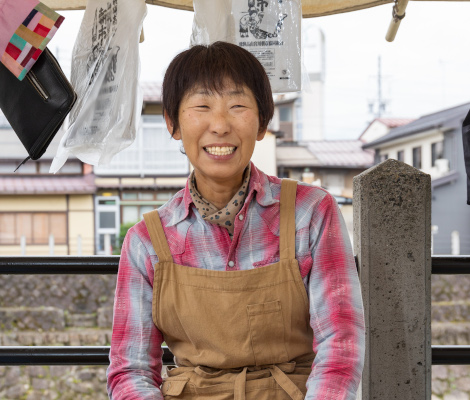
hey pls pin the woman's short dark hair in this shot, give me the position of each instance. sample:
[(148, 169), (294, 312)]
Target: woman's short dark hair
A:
[(210, 67)]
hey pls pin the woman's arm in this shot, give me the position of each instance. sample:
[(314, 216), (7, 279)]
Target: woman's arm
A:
[(136, 355), (336, 310)]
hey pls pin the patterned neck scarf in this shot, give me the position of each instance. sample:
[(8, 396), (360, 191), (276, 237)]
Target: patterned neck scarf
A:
[(224, 217)]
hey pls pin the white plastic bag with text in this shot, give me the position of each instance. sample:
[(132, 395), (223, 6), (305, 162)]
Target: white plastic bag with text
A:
[(269, 29), (105, 76)]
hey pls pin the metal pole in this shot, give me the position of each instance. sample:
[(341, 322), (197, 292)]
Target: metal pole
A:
[(23, 245), (397, 15), (79, 245), (107, 244), (51, 244)]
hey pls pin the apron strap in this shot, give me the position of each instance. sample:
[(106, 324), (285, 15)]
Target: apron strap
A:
[(283, 381), (157, 235), (287, 219)]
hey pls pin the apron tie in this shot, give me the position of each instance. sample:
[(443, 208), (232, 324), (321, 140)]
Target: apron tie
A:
[(285, 383), (240, 383), (278, 372)]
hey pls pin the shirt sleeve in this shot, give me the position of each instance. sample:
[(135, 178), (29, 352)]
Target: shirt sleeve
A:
[(26, 27), (135, 366), (336, 310)]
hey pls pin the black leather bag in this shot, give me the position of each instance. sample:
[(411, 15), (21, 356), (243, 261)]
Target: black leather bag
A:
[(36, 106), (466, 151)]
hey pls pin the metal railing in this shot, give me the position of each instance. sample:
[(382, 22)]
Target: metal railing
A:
[(100, 265)]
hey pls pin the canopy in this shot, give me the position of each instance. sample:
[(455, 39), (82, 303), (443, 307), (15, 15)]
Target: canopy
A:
[(310, 8)]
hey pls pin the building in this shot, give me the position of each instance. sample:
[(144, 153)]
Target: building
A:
[(433, 144), (38, 211), (331, 164), (299, 116), (380, 127)]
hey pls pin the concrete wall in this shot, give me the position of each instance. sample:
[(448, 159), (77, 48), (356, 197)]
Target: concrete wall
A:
[(392, 215)]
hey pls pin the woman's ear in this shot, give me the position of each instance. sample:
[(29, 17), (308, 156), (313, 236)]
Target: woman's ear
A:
[(170, 126), (261, 133)]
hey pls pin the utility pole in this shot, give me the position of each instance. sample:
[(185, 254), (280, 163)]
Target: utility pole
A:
[(377, 106)]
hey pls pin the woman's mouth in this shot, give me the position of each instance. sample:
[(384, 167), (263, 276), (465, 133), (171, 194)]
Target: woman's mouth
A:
[(220, 151)]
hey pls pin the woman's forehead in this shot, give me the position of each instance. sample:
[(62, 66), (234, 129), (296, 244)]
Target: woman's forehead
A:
[(227, 87)]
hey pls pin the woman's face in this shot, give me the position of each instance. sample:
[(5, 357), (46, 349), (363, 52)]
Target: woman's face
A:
[(219, 131)]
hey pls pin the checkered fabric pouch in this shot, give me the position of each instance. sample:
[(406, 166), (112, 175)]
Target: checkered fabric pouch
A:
[(30, 39)]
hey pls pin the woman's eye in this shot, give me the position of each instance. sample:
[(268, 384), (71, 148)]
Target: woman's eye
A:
[(238, 106)]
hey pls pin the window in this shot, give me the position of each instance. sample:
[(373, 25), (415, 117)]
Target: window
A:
[(154, 152), (107, 221), (38, 167), (401, 155), (130, 214), (164, 196), (437, 152), (129, 196), (35, 227), (70, 167), (146, 196), (134, 213), (383, 157), (417, 157), (285, 114), (8, 167)]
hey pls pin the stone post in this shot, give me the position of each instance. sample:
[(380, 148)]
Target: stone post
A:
[(392, 240)]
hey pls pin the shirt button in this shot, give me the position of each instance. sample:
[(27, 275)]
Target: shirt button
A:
[(240, 217), (231, 264)]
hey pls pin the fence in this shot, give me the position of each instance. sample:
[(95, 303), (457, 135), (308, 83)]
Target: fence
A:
[(78, 244), (392, 235)]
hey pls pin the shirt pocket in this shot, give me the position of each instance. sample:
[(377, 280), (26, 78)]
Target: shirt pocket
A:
[(267, 332)]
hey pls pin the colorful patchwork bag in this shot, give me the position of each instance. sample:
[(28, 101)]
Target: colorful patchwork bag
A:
[(36, 106)]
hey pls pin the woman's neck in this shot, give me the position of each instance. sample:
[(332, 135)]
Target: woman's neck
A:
[(218, 193)]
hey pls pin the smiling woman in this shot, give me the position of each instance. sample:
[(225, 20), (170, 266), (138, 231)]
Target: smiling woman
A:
[(248, 278)]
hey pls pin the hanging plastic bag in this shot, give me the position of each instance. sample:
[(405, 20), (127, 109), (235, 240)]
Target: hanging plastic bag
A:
[(269, 29), (105, 76)]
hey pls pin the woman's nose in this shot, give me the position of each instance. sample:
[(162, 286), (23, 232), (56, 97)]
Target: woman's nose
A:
[(220, 124)]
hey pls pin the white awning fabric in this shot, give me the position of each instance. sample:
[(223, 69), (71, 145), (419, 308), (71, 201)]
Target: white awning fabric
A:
[(310, 8)]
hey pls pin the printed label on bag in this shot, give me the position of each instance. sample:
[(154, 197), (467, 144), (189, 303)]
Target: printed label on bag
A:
[(270, 30)]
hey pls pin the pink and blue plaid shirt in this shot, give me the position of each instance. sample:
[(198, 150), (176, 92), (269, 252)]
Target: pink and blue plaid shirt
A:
[(327, 266)]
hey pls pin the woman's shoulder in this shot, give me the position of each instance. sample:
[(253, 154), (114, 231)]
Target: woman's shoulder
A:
[(306, 192)]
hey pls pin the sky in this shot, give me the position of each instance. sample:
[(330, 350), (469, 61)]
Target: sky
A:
[(426, 68)]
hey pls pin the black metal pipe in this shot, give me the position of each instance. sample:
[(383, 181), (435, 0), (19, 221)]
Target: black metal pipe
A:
[(26, 265), (451, 265), (98, 355), (62, 355), (450, 355), (99, 265)]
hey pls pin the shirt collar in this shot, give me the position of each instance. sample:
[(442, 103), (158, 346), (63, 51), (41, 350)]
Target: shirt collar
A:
[(259, 189)]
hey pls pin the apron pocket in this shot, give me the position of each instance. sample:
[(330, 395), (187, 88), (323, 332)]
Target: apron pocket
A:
[(267, 332), (174, 386)]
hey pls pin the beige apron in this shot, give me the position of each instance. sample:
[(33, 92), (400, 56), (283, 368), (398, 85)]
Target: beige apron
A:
[(234, 334)]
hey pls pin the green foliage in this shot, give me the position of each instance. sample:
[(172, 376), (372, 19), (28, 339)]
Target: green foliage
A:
[(122, 234)]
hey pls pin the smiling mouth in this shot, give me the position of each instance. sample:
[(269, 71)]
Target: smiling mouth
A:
[(220, 151)]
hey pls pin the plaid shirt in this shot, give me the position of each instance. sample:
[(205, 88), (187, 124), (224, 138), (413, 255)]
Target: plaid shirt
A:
[(325, 257)]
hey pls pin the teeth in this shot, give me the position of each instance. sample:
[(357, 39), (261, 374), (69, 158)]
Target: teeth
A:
[(220, 151)]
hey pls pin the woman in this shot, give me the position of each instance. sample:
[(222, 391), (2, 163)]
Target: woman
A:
[(249, 280)]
